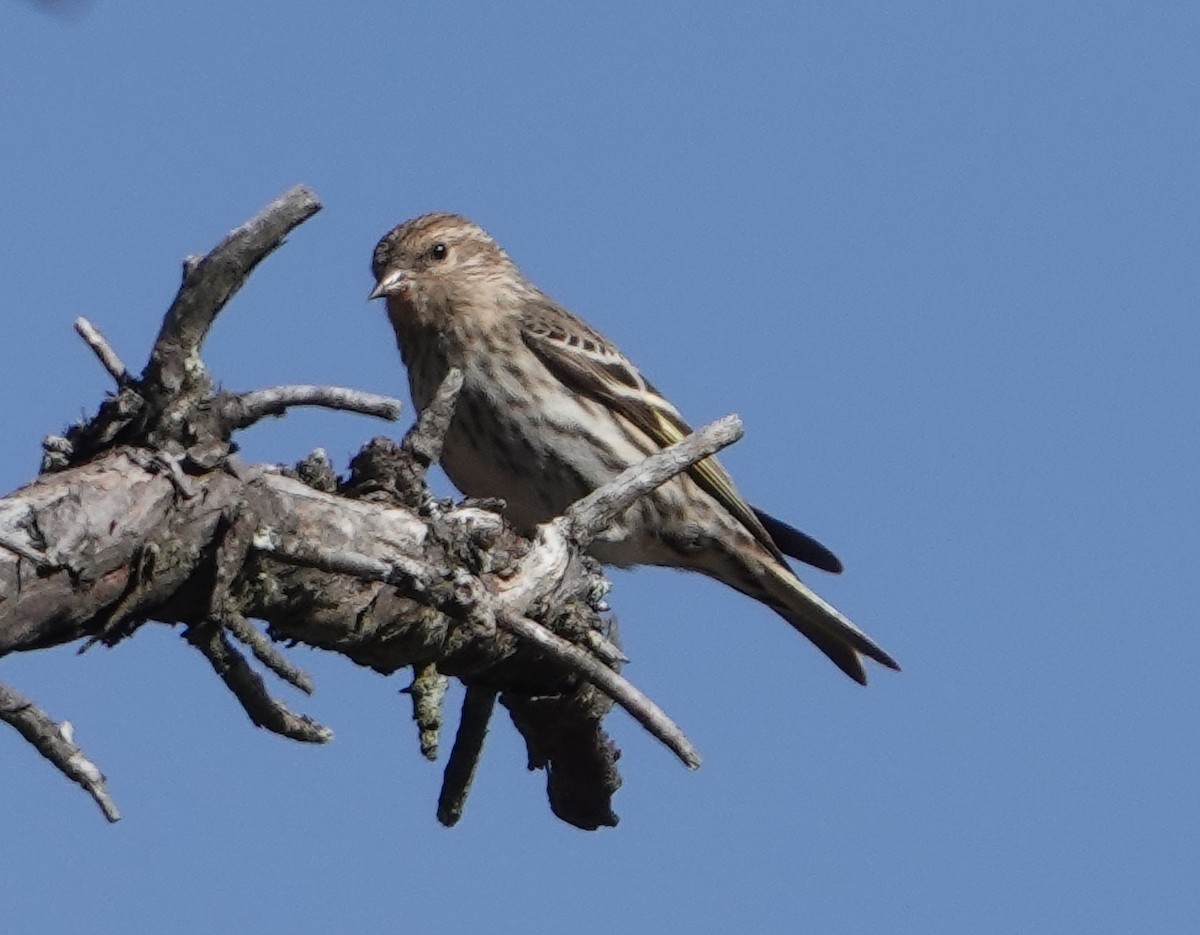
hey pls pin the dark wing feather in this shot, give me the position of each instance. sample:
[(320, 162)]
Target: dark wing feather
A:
[(799, 545)]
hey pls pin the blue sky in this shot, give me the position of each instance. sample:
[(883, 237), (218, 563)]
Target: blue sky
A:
[(943, 261)]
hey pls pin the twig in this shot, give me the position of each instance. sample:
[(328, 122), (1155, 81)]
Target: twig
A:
[(464, 755), (212, 281), (247, 686), (422, 445), (588, 517), (266, 652), (606, 649), (618, 688), (424, 440), (101, 348), (233, 548), (398, 571), (244, 409), (56, 743), (428, 692), (413, 576)]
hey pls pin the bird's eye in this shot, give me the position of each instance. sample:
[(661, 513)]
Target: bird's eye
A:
[(438, 251)]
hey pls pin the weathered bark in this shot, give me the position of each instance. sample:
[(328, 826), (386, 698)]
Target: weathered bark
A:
[(144, 514)]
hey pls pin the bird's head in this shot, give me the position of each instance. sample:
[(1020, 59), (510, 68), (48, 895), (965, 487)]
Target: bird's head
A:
[(439, 264)]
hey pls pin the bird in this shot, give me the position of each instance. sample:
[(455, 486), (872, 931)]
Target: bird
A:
[(550, 410)]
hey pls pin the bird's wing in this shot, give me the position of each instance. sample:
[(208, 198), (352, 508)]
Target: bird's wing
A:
[(588, 364)]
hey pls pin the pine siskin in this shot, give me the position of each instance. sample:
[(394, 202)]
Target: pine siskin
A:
[(550, 410)]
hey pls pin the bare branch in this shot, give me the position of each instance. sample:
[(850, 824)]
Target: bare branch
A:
[(424, 439), (398, 571), (606, 649), (101, 348), (618, 688), (150, 517), (403, 470), (247, 686), (266, 652), (588, 517), (244, 409), (479, 604), (210, 283), (56, 743), (477, 708)]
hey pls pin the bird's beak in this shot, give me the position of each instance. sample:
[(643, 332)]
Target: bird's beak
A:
[(393, 282)]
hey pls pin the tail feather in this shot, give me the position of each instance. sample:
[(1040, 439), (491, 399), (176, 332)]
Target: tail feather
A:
[(799, 545), (822, 624)]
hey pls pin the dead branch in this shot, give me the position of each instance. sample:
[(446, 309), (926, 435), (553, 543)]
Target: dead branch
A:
[(209, 283), (250, 690), (477, 707), (56, 743), (104, 353), (144, 514), (243, 410), (620, 690), (267, 652), (590, 516)]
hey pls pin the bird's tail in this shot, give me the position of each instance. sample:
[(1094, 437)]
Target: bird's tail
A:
[(829, 631)]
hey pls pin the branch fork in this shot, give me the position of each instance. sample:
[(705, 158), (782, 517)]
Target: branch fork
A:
[(373, 567)]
